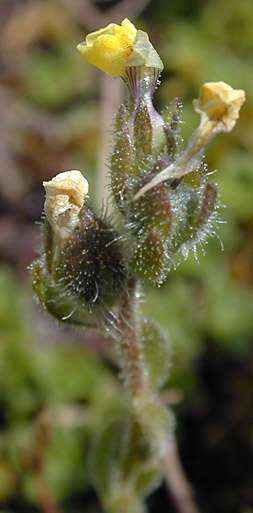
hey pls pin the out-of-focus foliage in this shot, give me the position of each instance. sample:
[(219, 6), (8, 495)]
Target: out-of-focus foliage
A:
[(49, 110), (66, 389)]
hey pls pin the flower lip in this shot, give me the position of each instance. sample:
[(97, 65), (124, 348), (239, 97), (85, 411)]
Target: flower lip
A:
[(219, 103)]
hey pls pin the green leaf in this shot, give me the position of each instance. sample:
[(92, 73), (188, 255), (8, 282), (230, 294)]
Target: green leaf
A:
[(7, 480), (106, 459), (123, 465), (157, 352)]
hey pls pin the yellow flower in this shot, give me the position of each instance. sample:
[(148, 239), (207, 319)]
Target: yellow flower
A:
[(110, 48), (219, 103)]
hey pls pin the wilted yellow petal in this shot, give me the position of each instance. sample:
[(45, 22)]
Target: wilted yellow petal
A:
[(220, 103), (65, 195)]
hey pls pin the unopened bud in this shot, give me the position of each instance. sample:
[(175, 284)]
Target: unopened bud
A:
[(81, 269)]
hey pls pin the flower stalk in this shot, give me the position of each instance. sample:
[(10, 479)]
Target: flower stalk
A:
[(219, 107)]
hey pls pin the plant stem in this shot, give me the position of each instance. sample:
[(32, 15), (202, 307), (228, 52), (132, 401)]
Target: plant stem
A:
[(47, 502), (180, 489), (131, 351)]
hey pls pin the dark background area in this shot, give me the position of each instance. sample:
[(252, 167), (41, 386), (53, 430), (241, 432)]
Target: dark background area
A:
[(56, 383)]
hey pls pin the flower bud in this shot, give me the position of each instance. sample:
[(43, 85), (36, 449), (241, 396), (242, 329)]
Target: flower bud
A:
[(91, 266), (81, 269), (152, 219)]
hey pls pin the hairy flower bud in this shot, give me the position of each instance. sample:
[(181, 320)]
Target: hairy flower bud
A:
[(91, 266), (81, 269)]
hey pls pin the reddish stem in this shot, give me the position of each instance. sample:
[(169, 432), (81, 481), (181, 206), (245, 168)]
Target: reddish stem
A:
[(46, 501), (180, 489), (130, 344)]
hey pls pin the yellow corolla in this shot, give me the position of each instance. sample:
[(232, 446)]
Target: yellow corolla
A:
[(110, 48)]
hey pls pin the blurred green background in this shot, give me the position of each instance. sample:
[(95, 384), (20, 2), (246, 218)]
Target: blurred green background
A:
[(56, 384)]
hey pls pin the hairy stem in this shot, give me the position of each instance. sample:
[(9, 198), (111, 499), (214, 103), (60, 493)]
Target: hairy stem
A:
[(131, 351)]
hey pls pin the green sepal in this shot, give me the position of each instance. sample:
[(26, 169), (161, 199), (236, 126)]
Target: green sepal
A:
[(142, 130), (196, 179), (148, 131), (152, 222), (152, 211), (172, 118), (63, 307), (151, 258), (208, 204), (185, 203), (198, 220)]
